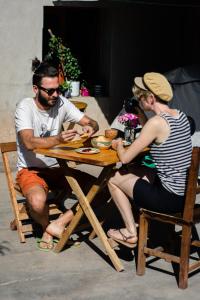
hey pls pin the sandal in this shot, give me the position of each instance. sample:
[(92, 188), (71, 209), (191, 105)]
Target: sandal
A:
[(49, 245), (124, 240)]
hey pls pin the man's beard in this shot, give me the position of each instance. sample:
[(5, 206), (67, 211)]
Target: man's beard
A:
[(44, 102)]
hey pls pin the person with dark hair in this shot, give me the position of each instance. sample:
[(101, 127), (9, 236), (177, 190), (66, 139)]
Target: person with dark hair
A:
[(38, 123), (168, 135)]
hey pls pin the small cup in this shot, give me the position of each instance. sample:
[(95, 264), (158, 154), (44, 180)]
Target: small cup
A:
[(111, 133)]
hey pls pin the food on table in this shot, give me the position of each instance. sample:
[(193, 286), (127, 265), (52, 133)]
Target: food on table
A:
[(84, 135), (86, 150), (101, 142), (80, 137)]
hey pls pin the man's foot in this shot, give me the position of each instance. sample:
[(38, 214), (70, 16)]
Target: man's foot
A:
[(123, 236), (46, 242), (57, 227)]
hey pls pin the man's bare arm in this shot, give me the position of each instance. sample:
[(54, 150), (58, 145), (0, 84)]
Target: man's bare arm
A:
[(31, 142)]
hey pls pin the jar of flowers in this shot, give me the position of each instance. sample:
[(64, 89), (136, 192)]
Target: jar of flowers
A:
[(130, 121)]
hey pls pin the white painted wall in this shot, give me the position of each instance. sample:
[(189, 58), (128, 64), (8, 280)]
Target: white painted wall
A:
[(21, 23)]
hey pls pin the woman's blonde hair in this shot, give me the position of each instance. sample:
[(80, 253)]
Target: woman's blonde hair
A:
[(138, 93)]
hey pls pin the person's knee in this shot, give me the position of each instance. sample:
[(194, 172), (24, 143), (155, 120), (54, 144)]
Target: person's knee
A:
[(114, 180), (112, 183), (37, 200)]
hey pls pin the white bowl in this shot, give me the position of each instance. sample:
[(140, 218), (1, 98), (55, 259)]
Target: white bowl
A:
[(101, 142)]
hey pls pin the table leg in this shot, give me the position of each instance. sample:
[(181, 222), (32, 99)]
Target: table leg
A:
[(87, 210)]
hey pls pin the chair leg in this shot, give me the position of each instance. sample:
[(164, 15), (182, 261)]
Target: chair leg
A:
[(93, 233), (143, 231), (195, 237), (20, 231), (184, 257), (13, 225)]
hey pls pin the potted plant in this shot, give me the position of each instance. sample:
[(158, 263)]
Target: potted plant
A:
[(71, 68)]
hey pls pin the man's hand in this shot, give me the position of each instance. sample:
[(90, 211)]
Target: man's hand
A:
[(67, 135), (88, 131), (90, 126)]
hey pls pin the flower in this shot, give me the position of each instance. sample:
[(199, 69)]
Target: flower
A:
[(129, 120)]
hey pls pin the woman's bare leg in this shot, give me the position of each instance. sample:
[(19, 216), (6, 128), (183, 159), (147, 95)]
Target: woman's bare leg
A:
[(122, 202), (121, 188)]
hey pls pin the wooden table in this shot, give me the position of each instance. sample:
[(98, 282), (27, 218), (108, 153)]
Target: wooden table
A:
[(80, 105), (107, 159)]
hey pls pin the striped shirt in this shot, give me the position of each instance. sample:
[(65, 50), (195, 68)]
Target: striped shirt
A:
[(172, 158)]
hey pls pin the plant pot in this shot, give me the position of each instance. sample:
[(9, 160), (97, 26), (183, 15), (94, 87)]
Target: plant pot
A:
[(75, 88), (67, 93)]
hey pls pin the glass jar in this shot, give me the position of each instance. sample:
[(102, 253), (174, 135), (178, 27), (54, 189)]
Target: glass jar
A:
[(129, 134)]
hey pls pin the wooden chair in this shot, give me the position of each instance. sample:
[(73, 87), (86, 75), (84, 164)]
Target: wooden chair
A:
[(188, 239), (22, 221)]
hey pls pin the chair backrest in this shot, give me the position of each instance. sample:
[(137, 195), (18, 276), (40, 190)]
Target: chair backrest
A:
[(7, 148), (191, 188)]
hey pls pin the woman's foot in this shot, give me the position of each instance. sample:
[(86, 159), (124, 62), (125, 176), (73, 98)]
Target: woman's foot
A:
[(123, 236), (57, 227)]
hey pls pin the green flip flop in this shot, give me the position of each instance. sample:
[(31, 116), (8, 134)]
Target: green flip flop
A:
[(47, 243)]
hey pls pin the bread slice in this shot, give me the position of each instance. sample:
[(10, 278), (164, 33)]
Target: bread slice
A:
[(84, 135)]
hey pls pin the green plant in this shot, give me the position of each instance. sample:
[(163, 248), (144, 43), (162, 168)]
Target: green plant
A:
[(59, 51), (66, 86)]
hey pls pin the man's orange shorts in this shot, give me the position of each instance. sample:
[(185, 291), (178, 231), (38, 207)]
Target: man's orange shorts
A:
[(47, 178)]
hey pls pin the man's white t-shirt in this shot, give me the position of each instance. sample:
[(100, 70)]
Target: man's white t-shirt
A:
[(44, 123)]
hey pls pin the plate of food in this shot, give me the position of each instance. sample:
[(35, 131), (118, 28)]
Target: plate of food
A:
[(87, 150)]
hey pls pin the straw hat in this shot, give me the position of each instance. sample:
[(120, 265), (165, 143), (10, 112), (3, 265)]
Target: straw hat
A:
[(155, 83)]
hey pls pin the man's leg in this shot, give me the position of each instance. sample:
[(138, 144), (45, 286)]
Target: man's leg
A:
[(38, 208), (56, 180), (35, 189), (56, 227)]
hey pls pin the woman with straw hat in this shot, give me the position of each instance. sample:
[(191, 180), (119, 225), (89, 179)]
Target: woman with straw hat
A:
[(167, 134)]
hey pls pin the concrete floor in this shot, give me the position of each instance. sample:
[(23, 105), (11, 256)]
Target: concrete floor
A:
[(79, 272)]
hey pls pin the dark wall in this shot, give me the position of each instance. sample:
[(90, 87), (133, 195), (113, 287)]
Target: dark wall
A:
[(114, 44)]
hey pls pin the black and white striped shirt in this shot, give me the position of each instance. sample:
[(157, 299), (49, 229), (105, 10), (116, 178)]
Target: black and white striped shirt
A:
[(172, 158)]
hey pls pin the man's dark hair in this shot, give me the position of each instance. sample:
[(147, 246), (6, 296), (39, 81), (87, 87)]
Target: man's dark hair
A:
[(42, 69)]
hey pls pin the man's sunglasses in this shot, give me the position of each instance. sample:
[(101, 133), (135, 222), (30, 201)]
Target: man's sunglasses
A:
[(50, 91)]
